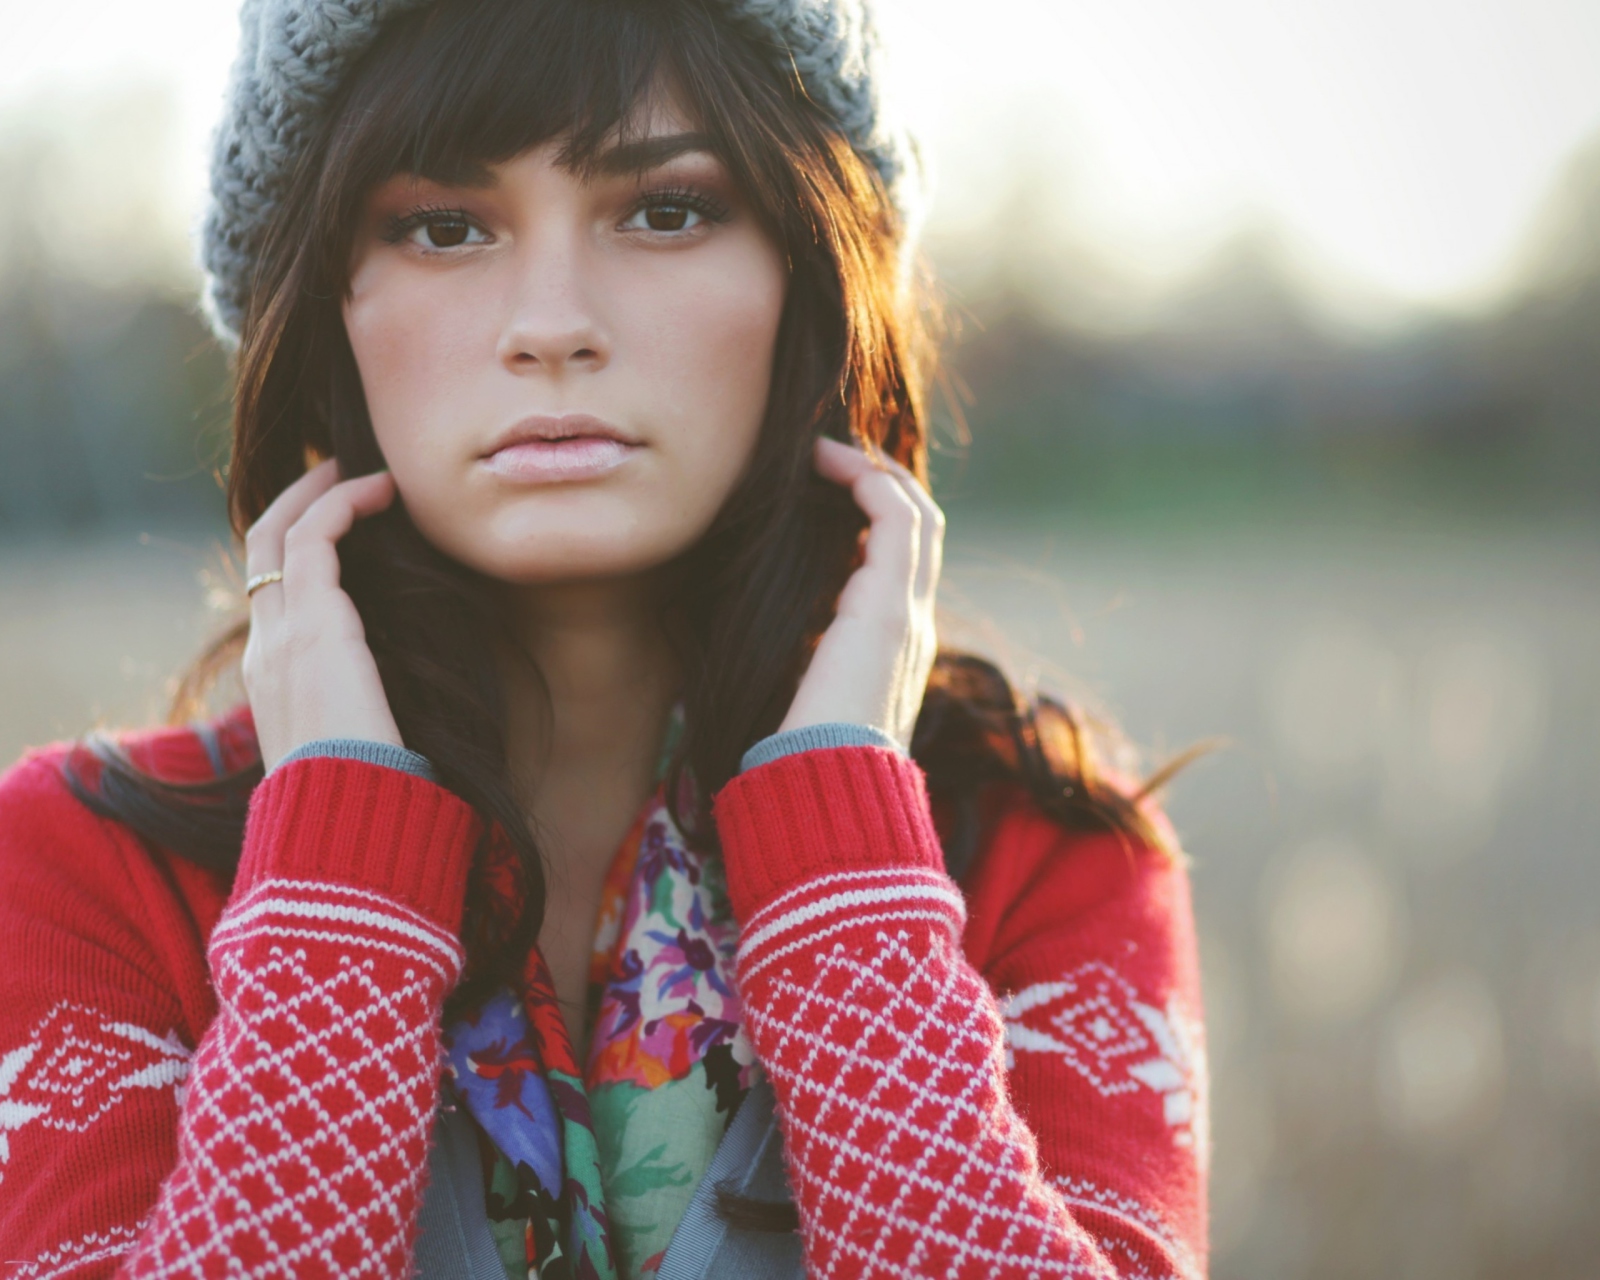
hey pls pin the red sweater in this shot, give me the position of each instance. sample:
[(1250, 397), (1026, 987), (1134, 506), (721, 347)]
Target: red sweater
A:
[(1001, 1079)]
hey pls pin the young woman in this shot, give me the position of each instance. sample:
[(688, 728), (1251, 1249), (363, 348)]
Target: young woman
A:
[(606, 877)]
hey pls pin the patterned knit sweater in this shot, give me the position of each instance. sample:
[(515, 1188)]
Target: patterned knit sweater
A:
[(1004, 1078)]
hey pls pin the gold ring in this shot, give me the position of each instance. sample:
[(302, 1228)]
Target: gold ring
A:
[(262, 580)]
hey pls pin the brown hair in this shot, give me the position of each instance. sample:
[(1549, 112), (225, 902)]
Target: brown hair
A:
[(478, 81)]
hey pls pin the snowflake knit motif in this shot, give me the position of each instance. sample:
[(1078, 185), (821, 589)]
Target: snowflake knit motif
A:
[(76, 1066), (1120, 1044)]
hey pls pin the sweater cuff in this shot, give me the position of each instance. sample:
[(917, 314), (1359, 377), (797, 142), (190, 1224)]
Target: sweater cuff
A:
[(386, 754), (361, 824), (835, 733), (820, 812)]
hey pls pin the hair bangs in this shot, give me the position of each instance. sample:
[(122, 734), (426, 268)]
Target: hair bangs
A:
[(450, 90)]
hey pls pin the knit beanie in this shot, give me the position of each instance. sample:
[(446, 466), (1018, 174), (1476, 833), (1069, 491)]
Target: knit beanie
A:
[(293, 54)]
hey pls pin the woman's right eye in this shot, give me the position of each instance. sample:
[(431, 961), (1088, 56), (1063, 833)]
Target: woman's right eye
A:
[(442, 231)]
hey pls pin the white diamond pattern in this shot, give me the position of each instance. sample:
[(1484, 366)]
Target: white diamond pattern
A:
[(888, 1059), (303, 1149)]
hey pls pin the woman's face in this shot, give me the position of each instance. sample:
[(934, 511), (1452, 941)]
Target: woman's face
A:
[(567, 373)]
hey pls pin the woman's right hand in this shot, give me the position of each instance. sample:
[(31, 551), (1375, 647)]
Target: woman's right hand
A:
[(307, 670)]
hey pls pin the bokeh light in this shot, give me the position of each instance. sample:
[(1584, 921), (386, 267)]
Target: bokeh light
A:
[(1335, 931), (1443, 1060)]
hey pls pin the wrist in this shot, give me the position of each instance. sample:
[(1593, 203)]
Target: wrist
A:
[(280, 746)]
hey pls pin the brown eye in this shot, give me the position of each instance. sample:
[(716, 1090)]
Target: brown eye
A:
[(666, 217), (447, 233)]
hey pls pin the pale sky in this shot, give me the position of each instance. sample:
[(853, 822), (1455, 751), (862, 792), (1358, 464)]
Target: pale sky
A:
[(1401, 146)]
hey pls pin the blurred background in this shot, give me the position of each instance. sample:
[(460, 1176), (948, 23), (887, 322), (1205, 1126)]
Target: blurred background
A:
[(1275, 415)]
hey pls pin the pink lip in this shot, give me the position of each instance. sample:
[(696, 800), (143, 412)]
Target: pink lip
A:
[(554, 450)]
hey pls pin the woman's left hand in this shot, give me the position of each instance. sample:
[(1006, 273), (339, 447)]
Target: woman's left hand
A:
[(873, 661)]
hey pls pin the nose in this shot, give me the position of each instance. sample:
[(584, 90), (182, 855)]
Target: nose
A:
[(552, 323)]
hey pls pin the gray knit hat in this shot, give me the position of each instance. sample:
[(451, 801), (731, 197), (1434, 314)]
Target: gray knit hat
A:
[(294, 53)]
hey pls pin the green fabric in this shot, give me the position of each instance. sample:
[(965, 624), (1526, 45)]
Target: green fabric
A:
[(510, 1235), (582, 1157), (655, 1147)]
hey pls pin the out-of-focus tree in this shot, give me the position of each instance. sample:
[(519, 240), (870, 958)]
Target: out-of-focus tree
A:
[(110, 389), (1246, 394)]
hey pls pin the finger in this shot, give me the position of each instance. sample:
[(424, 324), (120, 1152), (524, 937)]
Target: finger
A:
[(930, 554), (840, 462), (263, 541), (843, 464), (894, 535), (310, 547)]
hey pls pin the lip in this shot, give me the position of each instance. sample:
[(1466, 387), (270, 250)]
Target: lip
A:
[(555, 450)]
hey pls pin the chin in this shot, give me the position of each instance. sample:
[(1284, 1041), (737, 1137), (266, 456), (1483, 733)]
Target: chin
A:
[(567, 566), (553, 547)]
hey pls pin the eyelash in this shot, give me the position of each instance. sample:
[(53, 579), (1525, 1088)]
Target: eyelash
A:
[(400, 226), (712, 210)]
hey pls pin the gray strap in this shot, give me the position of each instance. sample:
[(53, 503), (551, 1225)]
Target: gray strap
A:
[(749, 1160), (454, 1241)]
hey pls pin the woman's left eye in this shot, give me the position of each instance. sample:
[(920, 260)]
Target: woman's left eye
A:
[(670, 214), (666, 216)]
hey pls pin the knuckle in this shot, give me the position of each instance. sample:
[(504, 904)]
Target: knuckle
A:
[(253, 666), (301, 536)]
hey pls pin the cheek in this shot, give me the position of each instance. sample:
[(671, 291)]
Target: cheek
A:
[(711, 351), (409, 350)]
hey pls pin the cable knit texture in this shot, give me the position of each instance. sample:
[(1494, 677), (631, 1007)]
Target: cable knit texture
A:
[(1003, 1078), (293, 55)]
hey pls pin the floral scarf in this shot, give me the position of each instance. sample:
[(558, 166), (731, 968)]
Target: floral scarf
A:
[(592, 1171)]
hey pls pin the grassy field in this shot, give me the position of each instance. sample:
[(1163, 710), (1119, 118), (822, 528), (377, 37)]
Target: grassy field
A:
[(1394, 862), (1395, 859)]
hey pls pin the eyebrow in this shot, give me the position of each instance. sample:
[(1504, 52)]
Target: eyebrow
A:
[(648, 153)]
